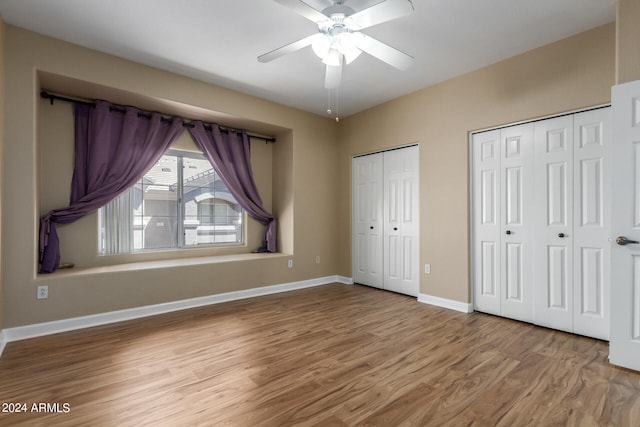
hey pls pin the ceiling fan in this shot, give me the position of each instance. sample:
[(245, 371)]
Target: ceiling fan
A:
[(339, 39)]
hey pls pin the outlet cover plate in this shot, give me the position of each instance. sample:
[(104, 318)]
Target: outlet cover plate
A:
[(43, 292)]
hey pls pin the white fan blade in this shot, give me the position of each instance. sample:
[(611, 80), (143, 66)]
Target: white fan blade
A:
[(333, 76), (383, 52), (292, 47), (381, 12), (303, 9)]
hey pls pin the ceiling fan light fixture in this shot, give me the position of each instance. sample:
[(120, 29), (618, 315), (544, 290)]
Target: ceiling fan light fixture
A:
[(345, 42), (334, 58), (331, 48), (348, 45), (321, 47)]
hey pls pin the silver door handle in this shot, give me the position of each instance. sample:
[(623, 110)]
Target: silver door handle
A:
[(622, 241)]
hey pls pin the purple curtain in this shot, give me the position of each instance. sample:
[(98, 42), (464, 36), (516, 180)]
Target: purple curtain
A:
[(114, 147), (229, 154)]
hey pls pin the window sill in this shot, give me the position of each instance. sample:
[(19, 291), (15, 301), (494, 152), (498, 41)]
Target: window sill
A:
[(154, 265)]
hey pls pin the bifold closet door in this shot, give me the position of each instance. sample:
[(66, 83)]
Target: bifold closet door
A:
[(554, 223), (541, 222), (385, 220), (400, 204), (367, 219), (572, 231), (503, 222), (592, 223), (516, 188), (487, 223)]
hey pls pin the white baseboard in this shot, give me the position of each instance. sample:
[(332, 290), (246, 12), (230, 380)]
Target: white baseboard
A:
[(48, 328), (344, 280), (445, 303), (3, 341)]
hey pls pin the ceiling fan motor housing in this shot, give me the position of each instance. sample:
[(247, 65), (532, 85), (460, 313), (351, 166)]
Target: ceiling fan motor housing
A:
[(338, 7)]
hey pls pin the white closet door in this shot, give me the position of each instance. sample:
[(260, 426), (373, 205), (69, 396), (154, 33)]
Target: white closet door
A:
[(367, 220), (554, 223), (516, 188), (592, 204), (542, 220), (400, 248), (486, 222)]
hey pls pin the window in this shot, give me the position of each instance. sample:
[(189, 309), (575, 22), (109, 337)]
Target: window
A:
[(181, 202)]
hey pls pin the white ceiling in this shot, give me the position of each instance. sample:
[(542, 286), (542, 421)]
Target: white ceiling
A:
[(218, 41)]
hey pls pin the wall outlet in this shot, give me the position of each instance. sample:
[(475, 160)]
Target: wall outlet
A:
[(43, 292), (290, 263), (427, 268), (317, 259)]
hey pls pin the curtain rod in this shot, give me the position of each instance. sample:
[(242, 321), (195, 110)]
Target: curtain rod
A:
[(185, 122)]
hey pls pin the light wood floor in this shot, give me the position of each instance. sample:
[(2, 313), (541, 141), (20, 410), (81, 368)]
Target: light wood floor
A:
[(333, 355)]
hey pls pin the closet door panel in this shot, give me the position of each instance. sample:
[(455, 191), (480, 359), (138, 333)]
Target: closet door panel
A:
[(514, 290), (557, 281), (401, 221), (592, 145), (554, 223), (486, 223), (513, 196), (367, 220), (516, 188)]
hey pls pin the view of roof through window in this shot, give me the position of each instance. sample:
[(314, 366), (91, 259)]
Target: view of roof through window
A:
[(180, 202)]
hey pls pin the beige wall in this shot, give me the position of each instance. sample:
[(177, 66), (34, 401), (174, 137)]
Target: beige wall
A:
[(627, 41), (310, 166), (573, 73), (302, 184)]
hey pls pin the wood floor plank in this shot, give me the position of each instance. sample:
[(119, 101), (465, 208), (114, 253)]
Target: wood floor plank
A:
[(334, 355)]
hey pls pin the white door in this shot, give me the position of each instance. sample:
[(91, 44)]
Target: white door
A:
[(487, 233), (553, 292), (400, 248), (516, 188), (367, 220), (591, 223), (624, 349), (541, 222)]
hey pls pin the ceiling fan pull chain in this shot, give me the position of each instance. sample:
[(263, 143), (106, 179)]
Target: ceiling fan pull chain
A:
[(337, 104)]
